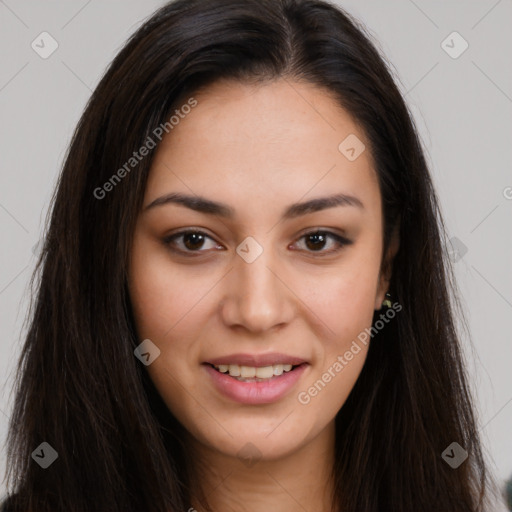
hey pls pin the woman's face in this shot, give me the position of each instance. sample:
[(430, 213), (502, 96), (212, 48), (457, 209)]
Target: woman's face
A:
[(257, 287)]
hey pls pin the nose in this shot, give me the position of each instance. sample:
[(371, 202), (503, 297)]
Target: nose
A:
[(257, 297)]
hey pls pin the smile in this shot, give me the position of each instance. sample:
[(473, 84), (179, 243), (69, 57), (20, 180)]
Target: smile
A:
[(252, 373), (254, 385)]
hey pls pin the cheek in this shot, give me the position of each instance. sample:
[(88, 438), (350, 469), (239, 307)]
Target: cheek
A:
[(167, 308), (344, 302), (168, 305), (349, 316), (163, 297), (344, 298), (346, 305)]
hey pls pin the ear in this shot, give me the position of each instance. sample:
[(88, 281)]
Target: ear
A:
[(387, 267)]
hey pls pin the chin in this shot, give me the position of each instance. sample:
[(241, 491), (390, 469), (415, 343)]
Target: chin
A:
[(250, 439)]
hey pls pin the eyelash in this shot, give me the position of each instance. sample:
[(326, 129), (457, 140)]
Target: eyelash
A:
[(340, 240)]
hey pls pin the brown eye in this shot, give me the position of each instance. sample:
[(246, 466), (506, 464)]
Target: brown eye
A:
[(191, 241), (316, 241)]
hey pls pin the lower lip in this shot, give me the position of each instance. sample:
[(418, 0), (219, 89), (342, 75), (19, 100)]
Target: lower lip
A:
[(255, 392)]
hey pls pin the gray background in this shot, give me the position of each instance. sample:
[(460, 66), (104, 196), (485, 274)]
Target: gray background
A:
[(462, 107)]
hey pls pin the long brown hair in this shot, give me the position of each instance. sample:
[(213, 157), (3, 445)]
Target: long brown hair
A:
[(79, 387)]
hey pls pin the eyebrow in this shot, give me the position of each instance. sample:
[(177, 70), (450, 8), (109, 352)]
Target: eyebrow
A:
[(209, 207)]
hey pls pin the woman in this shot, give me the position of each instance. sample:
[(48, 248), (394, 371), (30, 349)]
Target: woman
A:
[(243, 302)]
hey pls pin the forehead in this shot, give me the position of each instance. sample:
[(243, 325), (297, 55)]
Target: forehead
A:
[(264, 145)]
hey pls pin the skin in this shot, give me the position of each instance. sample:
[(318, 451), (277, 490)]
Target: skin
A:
[(259, 149)]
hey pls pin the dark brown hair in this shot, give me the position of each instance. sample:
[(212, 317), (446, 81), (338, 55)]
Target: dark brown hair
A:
[(79, 386)]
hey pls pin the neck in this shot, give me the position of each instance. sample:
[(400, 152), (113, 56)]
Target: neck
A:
[(297, 481)]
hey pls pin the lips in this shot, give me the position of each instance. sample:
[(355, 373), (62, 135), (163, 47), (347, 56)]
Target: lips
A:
[(235, 376)]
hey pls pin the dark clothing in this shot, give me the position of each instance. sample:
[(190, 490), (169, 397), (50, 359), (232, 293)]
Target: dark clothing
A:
[(6, 504)]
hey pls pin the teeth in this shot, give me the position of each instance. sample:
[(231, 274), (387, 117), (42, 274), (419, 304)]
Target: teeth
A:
[(233, 369), (249, 372), (278, 369), (265, 372)]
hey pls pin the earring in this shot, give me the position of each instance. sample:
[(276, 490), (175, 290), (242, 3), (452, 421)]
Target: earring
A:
[(387, 301)]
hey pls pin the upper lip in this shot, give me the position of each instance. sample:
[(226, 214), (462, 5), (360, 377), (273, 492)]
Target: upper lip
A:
[(257, 360)]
